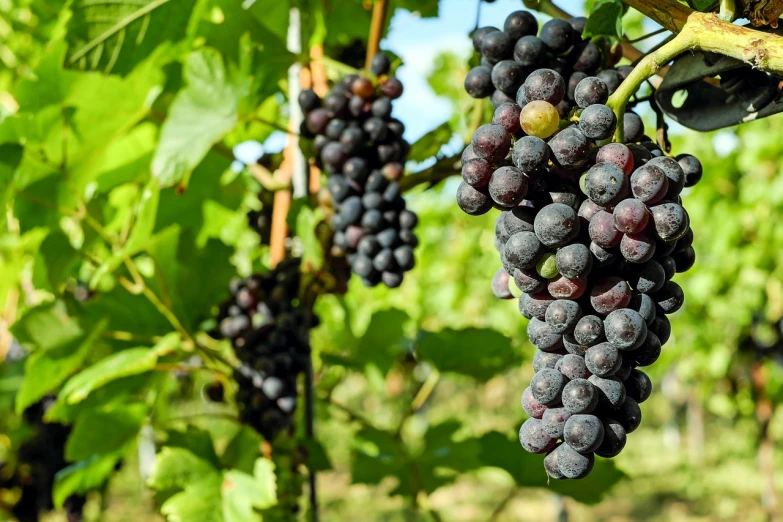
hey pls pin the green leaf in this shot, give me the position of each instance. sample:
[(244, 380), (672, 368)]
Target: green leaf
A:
[(83, 477), (306, 221), (430, 144), (382, 343), (123, 364), (200, 501), (200, 115), (145, 214), (176, 468), (10, 158), (115, 36), (47, 326), (528, 470), (196, 440), (98, 433), (242, 493), (480, 353), (606, 19), (317, 458), (46, 370), (243, 450)]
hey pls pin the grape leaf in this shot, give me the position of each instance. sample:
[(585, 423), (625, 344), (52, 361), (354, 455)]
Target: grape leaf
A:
[(243, 450), (115, 36), (242, 493), (382, 343), (306, 231), (606, 19), (175, 468), (122, 364), (97, 433), (83, 476), (45, 370), (200, 501), (47, 326), (200, 115), (196, 440), (430, 144), (480, 353), (528, 470)]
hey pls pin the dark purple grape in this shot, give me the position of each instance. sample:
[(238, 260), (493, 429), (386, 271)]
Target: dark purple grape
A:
[(383, 260), (563, 288), (670, 220), (603, 359), (531, 406), (507, 76), (684, 259), (603, 256), (578, 23), (529, 281), (674, 173), (611, 78), (606, 184), (670, 297), (530, 154), (633, 127), (500, 285), (614, 439), (519, 24), (629, 415), (380, 64), (648, 352), (556, 224), (557, 35), (591, 91), (542, 337), (497, 46), (618, 154), (550, 465), (318, 120), (554, 420), (584, 433), (508, 186), (646, 278), (611, 392), (574, 261), (602, 231), (542, 360), (661, 328), (609, 294), (479, 35), (570, 147), (391, 87), (477, 172), (587, 57), (507, 116), (597, 122), (534, 438), (491, 142), (572, 83), (523, 250), (547, 386), (472, 201), (539, 303), (498, 98), (573, 347), (529, 51), (403, 256), (588, 209), (520, 219), (589, 331), (625, 329), (637, 248), (638, 386), (631, 216), (572, 367), (580, 396), (544, 85), (668, 264), (691, 167), (572, 464), (309, 100), (649, 184), (645, 306), (562, 315)]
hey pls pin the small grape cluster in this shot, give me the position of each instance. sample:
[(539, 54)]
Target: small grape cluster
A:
[(509, 56), (261, 220), (40, 458), (593, 263), (269, 332), (361, 147)]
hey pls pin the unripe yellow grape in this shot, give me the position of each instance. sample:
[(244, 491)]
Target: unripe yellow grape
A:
[(540, 119)]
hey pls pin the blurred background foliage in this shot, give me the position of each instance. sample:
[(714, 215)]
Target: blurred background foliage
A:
[(121, 177)]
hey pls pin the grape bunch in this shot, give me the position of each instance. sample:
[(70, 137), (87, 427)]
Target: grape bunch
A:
[(590, 235), (510, 56), (269, 332), (361, 147), (261, 220)]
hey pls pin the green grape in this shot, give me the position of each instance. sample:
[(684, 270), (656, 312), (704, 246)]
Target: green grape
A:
[(540, 119), (547, 268)]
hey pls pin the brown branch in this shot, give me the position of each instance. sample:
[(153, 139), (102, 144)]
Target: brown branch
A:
[(671, 15), (376, 30)]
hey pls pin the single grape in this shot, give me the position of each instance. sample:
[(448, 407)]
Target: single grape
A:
[(691, 166), (573, 347), (507, 116), (507, 186), (405, 259), (637, 248), (661, 328), (631, 216), (611, 78), (641, 155), (584, 433), (491, 142), (542, 360), (381, 108), (540, 119), (391, 279), (638, 386), (554, 420), (565, 193), (647, 277), (611, 391), (530, 154), (547, 386), (546, 267), (591, 91), (633, 127), (572, 464), (570, 147), (534, 438), (618, 154), (606, 184), (670, 297), (478, 82), (507, 76), (529, 281), (563, 288), (597, 122), (557, 35), (649, 184), (610, 293), (644, 306), (589, 331), (586, 57), (580, 396), (479, 34), (380, 64), (614, 439), (670, 220), (562, 315), (529, 51), (574, 261), (531, 406), (497, 46), (523, 250), (588, 209), (684, 259), (542, 337), (602, 231), (544, 85), (578, 23), (624, 70), (629, 415), (625, 329), (603, 256), (519, 219), (572, 367), (550, 465), (473, 201), (556, 224), (668, 264), (519, 24), (674, 173), (539, 303), (648, 352), (309, 100)]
